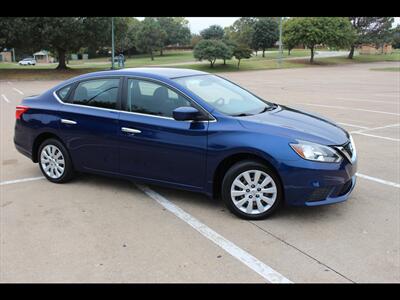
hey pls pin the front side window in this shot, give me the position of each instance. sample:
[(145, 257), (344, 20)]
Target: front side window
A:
[(98, 93), (151, 98), (223, 95)]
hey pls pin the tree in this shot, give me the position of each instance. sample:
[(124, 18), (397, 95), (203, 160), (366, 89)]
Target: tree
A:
[(211, 50), (124, 31), (396, 37), (242, 32), (60, 35), (374, 30), (313, 31), (195, 39), (215, 32), (240, 52), (290, 38), (266, 33), (150, 36), (176, 31)]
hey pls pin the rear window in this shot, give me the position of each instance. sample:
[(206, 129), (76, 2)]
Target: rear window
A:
[(62, 93)]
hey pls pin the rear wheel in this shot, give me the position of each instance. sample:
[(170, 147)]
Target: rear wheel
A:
[(55, 162), (251, 190)]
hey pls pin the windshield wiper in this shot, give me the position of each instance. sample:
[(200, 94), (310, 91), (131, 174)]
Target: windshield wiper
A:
[(267, 108), (242, 115)]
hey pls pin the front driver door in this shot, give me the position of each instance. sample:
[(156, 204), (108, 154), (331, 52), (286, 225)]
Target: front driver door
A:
[(155, 146)]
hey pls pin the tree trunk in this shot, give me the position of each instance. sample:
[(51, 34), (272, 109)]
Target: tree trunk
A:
[(161, 52), (224, 61), (312, 54), (256, 52), (151, 55), (61, 60), (263, 53), (289, 51), (238, 63), (212, 61), (351, 53)]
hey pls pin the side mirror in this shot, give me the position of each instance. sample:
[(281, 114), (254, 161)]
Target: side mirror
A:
[(186, 113)]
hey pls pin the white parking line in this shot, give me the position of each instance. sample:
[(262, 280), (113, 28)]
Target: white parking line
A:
[(9, 82), (21, 180), (377, 136), (350, 108), (376, 128), (364, 100), (18, 91), (5, 98), (378, 180), (352, 125), (249, 260)]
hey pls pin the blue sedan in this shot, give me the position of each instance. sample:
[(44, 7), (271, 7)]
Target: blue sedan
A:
[(191, 130)]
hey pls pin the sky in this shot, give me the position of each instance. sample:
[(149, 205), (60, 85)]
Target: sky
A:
[(197, 24)]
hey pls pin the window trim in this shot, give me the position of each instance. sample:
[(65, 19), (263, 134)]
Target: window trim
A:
[(76, 83), (196, 105)]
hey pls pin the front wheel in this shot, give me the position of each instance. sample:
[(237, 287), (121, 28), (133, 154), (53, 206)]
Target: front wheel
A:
[(55, 162), (251, 190)]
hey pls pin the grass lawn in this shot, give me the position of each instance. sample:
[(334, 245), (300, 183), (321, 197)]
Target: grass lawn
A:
[(394, 69), (185, 59)]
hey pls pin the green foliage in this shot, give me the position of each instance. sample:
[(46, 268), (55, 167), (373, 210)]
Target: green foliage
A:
[(215, 32), (150, 36), (212, 50), (266, 33), (334, 32), (125, 29), (396, 37), (176, 29), (242, 31), (61, 35), (240, 52), (373, 30), (195, 39)]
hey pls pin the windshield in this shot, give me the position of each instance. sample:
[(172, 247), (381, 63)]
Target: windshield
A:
[(224, 96)]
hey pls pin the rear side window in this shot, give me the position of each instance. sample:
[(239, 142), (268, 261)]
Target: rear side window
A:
[(62, 93), (98, 93)]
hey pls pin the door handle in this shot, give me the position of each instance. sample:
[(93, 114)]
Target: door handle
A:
[(130, 130), (65, 121)]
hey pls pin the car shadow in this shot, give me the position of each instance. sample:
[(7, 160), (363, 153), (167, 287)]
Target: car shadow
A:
[(202, 202)]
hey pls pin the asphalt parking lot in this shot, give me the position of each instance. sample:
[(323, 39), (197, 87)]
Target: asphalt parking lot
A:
[(96, 229)]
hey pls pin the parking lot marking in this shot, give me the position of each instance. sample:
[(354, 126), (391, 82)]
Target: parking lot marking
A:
[(253, 263), (377, 136), (350, 108), (5, 98), (376, 128), (9, 82), (21, 180), (379, 180), (18, 91), (364, 100), (352, 125)]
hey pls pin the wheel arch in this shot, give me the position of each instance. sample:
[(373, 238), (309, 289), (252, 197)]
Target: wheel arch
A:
[(39, 140), (232, 159)]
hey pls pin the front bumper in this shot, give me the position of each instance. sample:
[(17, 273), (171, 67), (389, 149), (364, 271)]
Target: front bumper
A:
[(311, 183)]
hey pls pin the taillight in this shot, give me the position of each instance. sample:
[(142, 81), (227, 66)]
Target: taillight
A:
[(20, 109)]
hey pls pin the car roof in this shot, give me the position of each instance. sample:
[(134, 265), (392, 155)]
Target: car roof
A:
[(147, 72), (150, 72)]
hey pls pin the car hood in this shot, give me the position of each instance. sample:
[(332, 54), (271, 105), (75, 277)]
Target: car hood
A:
[(296, 124)]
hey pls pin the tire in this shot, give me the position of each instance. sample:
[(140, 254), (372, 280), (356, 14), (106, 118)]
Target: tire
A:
[(264, 195), (54, 156)]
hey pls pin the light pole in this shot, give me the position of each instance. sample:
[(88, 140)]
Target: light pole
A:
[(280, 41), (112, 41)]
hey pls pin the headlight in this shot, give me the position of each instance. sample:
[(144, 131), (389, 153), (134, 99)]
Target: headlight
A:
[(316, 152)]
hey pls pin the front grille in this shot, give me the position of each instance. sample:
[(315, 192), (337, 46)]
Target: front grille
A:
[(345, 189), (319, 194)]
